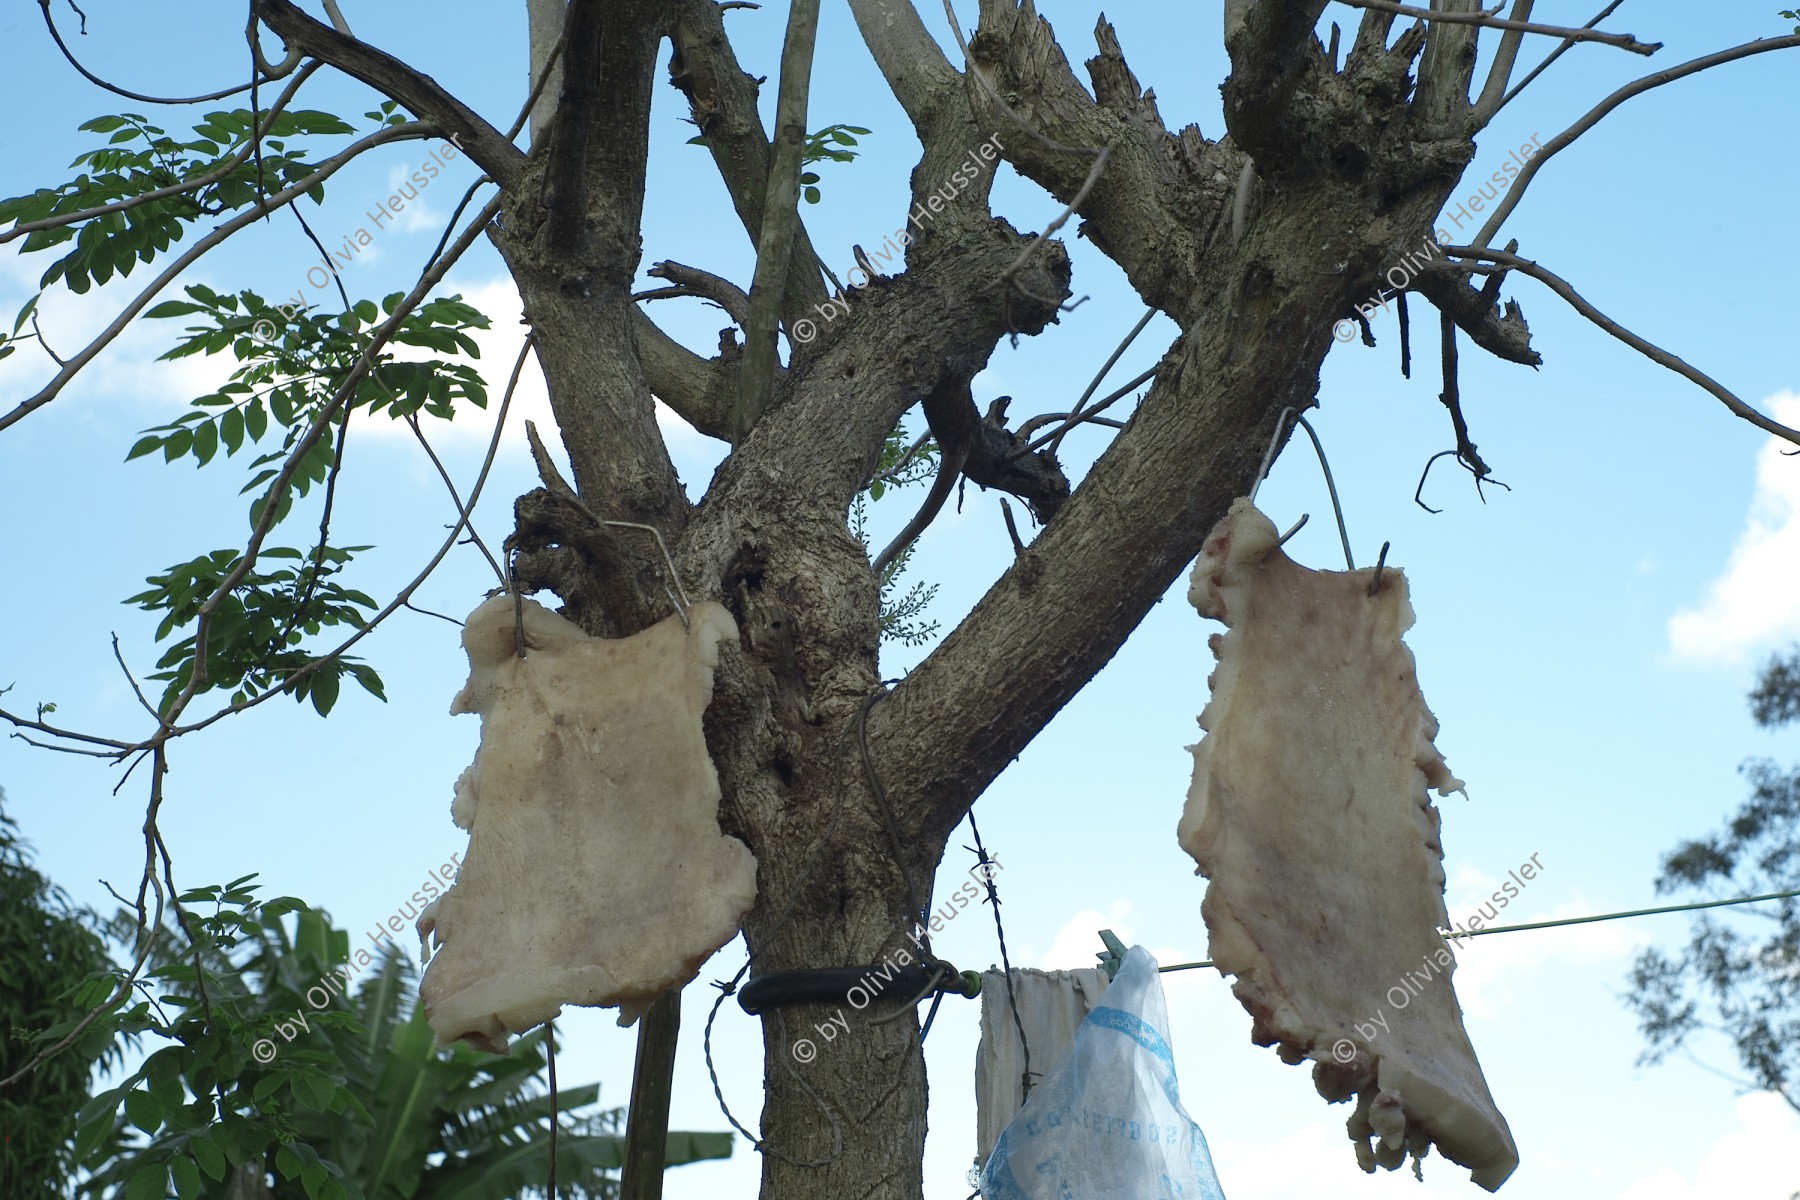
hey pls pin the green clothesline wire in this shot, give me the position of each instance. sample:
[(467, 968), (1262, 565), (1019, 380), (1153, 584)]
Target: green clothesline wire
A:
[(1636, 912)]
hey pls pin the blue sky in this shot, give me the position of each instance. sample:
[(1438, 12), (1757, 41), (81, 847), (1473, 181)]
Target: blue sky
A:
[(1586, 638)]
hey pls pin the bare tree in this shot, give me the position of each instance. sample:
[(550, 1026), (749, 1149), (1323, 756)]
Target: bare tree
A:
[(846, 791)]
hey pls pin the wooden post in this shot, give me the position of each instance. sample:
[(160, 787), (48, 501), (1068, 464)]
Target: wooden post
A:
[(647, 1121)]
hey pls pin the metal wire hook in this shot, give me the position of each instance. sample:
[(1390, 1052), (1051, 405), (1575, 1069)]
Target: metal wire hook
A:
[(1268, 459), (1331, 486), (683, 604)]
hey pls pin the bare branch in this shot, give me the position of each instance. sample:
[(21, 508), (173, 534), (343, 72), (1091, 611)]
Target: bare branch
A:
[(1592, 118), (722, 98), (949, 471), (1446, 69), (703, 392), (781, 216), (546, 20), (1094, 384), (1082, 418), (56, 36), (1555, 54), (490, 148), (1505, 58), (693, 281), (1488, 19), (392, 133), (1501, 332), (1654, 353)]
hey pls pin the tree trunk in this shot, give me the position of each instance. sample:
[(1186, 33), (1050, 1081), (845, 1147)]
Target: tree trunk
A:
[(1254, 244)]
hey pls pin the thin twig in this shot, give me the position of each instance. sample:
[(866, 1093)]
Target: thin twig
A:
[(1550, 58), (1090, 415), (1113, 358), (56, 36), (175, 189), (132, 680), (1654, 353), (1012, 529), (1594, 115), (1489, 19), (427, 612)]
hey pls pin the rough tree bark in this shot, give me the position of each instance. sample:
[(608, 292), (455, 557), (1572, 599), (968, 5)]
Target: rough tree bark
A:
[(1254, 242)]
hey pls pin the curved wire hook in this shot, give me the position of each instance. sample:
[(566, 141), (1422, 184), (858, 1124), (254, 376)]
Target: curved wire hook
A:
[(1331, 486), (1268, 460), (683, 604)]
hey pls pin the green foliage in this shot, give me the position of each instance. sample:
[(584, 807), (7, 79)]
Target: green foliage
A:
[(1745, 987), (139, 158), (1792, 15), (294, 362), (48, 950), (895, 468), (834, 143), (273, 1072), (253, 639)]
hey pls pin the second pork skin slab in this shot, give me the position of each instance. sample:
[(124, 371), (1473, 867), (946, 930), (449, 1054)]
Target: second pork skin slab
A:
[(1310, 815)]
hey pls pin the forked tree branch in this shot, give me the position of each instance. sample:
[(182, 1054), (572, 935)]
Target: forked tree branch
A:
[(723, 100), (1561, 49)]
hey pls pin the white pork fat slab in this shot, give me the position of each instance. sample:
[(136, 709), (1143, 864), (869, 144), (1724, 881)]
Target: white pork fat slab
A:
[(1309, 814), (596, 873)]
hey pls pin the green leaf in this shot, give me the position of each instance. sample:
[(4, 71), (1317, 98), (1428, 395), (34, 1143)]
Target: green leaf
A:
[(231, 430), (324, 691), (174, 308), (178, 444), (143, 446), (206, 442), (142, 1110), (187, 1178), (211, 1158), (148, 1183)]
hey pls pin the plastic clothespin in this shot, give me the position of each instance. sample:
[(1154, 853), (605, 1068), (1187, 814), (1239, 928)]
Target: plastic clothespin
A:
[(1114, 954)]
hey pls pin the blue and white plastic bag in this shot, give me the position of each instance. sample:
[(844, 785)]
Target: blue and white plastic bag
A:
[(1106, 1123)]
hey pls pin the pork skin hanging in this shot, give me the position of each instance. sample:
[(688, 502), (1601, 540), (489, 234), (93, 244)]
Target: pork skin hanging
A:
[(596, 873), (1310, 816)]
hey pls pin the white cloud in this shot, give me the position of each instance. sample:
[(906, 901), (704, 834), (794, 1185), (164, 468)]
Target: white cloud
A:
[(1757, 600), (1760, 1160), (1078, 941)]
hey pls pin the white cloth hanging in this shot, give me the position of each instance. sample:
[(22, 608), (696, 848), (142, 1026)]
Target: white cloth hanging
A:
[(1052, 1004), (1106, 1122)]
